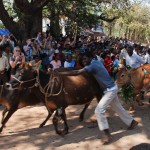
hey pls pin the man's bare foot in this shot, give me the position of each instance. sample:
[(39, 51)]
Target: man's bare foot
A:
[(133, 125), (106, 140)]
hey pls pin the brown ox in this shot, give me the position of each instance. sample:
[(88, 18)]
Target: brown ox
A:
[(14, 100), (58, 92), (17, 99), (137, 78)]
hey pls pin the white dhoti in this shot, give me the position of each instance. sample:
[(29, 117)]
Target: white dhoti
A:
[(111, 97)]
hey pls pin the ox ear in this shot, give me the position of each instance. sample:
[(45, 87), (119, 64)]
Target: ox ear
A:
[(36, 67)]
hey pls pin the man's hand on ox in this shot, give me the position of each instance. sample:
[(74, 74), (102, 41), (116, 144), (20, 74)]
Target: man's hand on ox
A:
[(66, 73), (70, 73), (55, 73), (75, 72)]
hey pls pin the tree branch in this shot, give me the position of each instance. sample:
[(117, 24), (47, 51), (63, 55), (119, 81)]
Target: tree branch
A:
[(102, 17), (7, 20), (38, 4), (23, 5)]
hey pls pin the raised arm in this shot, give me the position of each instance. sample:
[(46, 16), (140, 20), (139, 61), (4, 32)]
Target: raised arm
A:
[(71, 73)]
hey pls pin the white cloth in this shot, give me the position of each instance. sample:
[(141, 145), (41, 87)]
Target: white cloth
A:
[(133, 61), (111, 97), (135, 52), (66, 64), (4, 63), (69, 64), (56, 64)]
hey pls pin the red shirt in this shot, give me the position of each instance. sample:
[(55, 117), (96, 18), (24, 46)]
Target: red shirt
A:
[(108, 63)]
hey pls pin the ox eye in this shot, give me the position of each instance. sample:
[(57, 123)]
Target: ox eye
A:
[(122, 75)]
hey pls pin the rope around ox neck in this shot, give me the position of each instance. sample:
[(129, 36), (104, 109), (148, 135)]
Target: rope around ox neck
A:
[(21, 82), (49, 86)]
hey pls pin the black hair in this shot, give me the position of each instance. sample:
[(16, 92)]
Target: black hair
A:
[(135, 45), (88, 54), (7, 45), (129, 48)]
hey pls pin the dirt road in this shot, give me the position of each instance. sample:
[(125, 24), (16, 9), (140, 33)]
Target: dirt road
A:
[(22, 132)]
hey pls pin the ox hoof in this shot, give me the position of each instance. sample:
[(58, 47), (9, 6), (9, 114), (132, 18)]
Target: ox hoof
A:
[(1, 128), (81, 119), (59, 132), (62, 133), (41, 126)]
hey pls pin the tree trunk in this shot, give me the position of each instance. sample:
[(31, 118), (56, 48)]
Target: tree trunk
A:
[(54, 23), (129, 32), (110, 29), (30, 22), (120, 28), (126, 32), (33, 24), (134, 35), (29, 25)]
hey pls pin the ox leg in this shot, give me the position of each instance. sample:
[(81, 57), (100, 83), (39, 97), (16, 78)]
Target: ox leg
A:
[(55, 122), (3, 114), (81, 117), (47, 118), (60, 115), (142, 94), (64, 118), (138, 99), (10, 113)]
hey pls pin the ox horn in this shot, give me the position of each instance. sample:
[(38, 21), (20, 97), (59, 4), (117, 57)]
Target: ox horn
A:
[(145, 71)]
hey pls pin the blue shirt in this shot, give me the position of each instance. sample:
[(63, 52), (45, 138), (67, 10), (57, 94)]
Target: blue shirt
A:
[(97, 69), (28, 53)]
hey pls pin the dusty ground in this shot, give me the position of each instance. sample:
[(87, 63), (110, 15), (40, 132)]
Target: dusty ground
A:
[(22, 130)]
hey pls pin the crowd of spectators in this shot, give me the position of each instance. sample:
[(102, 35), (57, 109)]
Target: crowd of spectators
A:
[(66, 52)]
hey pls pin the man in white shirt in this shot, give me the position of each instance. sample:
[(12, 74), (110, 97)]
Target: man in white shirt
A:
[(136, 49), (147, 57), (133, 60), (4, 66), (69, 62)]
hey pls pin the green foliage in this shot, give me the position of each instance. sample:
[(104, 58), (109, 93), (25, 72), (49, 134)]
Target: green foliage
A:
[(1, 25), (80, 14), (126, 93), (134, 21), (9, 6), (84, 14)]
